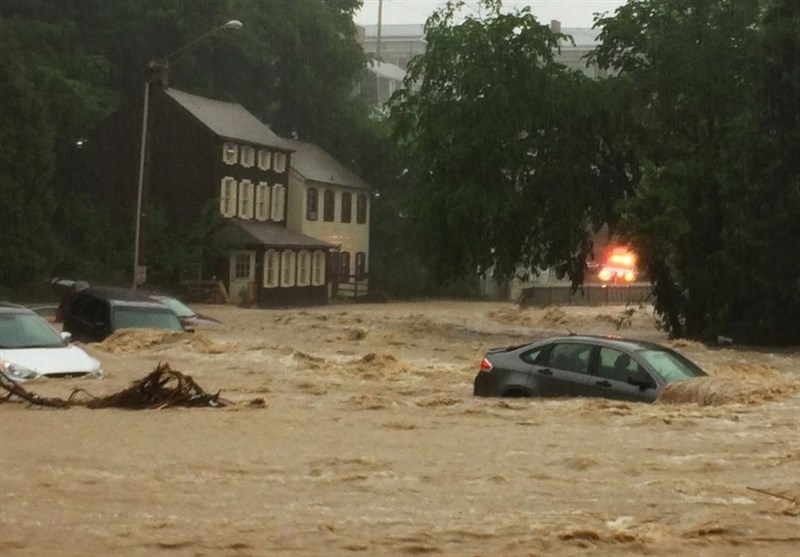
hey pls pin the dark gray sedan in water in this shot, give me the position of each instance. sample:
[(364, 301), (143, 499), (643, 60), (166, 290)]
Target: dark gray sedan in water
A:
[(607, 367)]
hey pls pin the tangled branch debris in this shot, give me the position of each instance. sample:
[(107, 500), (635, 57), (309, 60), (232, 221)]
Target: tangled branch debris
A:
[(771, 494), (162, 388)]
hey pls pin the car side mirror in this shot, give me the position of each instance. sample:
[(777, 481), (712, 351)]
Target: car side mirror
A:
[(66, 337), (642, 380)]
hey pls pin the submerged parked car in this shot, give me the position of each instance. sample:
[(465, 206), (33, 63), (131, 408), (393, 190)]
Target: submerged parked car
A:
[(95, 313), (30, 348), (583, 366), (189, 318), (67, 289)]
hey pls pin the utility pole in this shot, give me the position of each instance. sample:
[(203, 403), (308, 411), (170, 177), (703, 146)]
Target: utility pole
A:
[(380, 18)]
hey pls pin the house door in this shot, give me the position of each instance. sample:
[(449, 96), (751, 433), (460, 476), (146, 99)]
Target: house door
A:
[(242, 276), (332, 272)]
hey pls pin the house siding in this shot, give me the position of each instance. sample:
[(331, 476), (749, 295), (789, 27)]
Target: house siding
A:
[(352, 237)]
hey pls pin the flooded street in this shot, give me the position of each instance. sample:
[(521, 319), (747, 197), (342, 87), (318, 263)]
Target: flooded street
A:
[(370, 442)]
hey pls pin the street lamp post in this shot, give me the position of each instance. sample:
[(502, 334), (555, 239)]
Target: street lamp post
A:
[(153, 69)]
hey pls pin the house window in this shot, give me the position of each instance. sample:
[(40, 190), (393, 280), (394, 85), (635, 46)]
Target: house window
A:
[(344, 266), (279, 162), (361, 265), (227, 197), (271, 263), (328, 205), (361, 208), (242, 268), (312, 203), (288, 263), (318, 268), (264, 159), (278, 202), (246, 199), (230, 153), (248, 156), (304, 268), (347, 206), (262, 201)]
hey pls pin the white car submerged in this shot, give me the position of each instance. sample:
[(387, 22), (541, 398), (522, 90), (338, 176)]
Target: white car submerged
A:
[(31, 348)]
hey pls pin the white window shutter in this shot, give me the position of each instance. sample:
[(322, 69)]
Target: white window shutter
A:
[(223, 197), (264, 157)]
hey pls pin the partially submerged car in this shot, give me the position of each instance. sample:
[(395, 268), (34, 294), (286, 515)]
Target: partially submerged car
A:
[(189, 318), (575, 365), (30, 348), (95, 313), (68, 289)]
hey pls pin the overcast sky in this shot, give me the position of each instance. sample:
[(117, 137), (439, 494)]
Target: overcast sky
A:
[(571, 13)]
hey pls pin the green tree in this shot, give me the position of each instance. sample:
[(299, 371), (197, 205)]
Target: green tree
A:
[(717, 202), (511, 150), (27, 241)]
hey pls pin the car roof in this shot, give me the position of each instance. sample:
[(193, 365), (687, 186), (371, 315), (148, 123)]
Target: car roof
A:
[(122, 297), (620, 342), (8, 307)]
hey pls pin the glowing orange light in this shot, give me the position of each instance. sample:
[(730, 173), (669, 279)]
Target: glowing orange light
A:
[(620, 264)]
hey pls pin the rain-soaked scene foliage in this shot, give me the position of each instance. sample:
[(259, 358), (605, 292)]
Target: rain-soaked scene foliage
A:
[(482, 285)]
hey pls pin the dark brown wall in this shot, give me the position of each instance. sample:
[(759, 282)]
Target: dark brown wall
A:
[(181, 173), (184, 161)]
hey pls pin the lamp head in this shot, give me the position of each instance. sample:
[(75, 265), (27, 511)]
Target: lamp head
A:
[(233, 24)]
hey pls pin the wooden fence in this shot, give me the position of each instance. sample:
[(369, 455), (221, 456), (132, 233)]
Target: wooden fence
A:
[(587, 295), (353, 287)]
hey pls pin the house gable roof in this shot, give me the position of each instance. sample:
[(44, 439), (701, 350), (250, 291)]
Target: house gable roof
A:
[(275, 236), (315, 164), (386, 70), (228, 120), (585, 38)]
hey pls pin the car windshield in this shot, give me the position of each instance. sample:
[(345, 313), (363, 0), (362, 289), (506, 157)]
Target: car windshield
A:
[(26, 330), (177, 306), (145, 318), (670, 365)]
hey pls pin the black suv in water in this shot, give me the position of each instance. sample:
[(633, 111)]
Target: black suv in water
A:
[(95, 313)]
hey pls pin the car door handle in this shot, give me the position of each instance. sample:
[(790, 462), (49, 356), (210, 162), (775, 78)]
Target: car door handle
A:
[(602, 383), (544, 371)]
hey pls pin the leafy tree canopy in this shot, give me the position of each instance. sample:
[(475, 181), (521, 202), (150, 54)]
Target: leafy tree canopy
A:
[(718, 201), (512, 150), (27, 242), (690, 146)]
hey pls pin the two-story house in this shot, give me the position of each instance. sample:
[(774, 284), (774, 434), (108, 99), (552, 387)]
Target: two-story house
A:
[(202, 155), (330, 202)]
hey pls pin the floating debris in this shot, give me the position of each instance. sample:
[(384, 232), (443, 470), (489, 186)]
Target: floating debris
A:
[(163, 388)]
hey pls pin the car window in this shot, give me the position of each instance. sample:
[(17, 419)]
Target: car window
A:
[(570, 356), (181, 309), (145, 318), (670, 365), (531, 355), (26, 330), (615, 364)]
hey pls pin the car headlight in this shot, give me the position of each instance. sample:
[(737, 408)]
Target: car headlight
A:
[(97, 370), (16, 372)]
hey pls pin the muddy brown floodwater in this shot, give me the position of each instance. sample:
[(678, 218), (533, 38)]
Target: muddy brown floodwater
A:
[(370, 442)]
